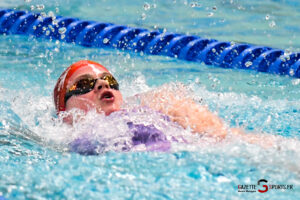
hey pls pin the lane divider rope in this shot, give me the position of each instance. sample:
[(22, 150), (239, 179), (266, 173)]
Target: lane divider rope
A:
[(186, 47)]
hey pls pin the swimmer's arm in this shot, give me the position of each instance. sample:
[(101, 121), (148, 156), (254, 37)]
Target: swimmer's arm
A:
[(189, 114), (185, 111)]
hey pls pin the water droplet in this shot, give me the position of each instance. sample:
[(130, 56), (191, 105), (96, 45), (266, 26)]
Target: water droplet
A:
[(57, 10), (51, 14), (27, 1), (210, 14), (40, 18), (214, 7), (55, 22), (213, 50), (62, 30), (296, 81), (248, 63), (105, 40), (222, 20), (272, 24), (40, 7), (48, 32), (267, 17), (146, 6), (282, 58), (268, 120), (292, 73), (287, 52), (143, 16), (34, 27), (43, 14), (154, 5), (193, 5), (32, 7)]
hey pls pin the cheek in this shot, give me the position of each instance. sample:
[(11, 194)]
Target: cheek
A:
[(119, 98), (82, 102)]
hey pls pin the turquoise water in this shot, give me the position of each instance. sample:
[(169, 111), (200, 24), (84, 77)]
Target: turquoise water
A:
[(33, 157)]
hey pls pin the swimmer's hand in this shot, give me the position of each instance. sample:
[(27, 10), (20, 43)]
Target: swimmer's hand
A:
[(175, 101)]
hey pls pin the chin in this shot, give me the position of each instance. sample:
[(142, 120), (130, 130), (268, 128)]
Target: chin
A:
[(110, 110)]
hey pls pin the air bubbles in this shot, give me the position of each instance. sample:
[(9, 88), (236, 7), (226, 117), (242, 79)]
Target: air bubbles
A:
[(248, 63), (27, 1), (146, 6)]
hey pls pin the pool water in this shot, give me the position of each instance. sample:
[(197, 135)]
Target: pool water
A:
[(36, 164)]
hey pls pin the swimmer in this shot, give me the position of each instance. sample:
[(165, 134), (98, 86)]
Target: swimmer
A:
[(87, 85)]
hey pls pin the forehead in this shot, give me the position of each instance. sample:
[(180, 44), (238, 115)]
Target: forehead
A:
[(85, 71)]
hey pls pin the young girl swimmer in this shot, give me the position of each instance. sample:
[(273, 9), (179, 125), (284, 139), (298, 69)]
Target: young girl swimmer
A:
[(87, 85)]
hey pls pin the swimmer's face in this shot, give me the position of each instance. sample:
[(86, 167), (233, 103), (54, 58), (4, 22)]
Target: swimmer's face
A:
[(101, 97)]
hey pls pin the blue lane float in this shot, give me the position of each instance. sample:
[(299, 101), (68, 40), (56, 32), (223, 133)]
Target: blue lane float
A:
[(186, 47)]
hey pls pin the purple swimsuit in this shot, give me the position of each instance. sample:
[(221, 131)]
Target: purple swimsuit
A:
[(151, 137)]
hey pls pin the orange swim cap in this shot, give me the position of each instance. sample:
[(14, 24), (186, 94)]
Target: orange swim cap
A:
[(62, 82)]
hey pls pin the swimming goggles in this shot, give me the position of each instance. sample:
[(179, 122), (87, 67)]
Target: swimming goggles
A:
[(86, 85)]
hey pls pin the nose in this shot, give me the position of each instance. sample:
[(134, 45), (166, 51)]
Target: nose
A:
[(101, 84)]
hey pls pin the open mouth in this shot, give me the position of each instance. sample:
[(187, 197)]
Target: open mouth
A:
[(107, 96)]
